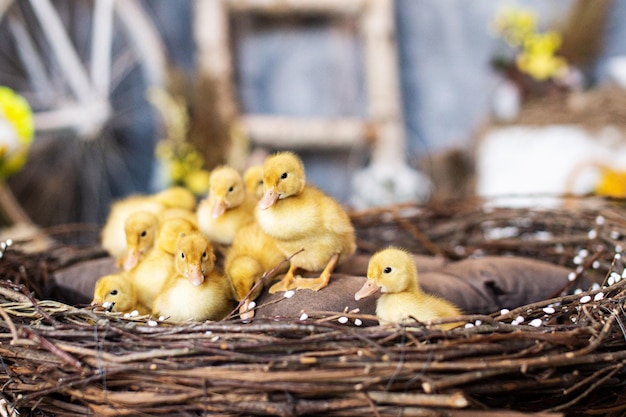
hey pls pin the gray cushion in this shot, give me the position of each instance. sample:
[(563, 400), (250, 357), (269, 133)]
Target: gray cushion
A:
[(481, 286)]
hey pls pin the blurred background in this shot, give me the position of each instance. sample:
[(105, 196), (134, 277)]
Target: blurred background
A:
[(386, 101)]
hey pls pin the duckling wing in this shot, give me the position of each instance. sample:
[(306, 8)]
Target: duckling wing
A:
[(336, 220), (324, 212)]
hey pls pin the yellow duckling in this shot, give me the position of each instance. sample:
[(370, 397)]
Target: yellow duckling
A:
[(179, 213), (151, 273), (252, 254), (113, 237), (195, 291), (227, 207), (176, 197), (117, 292), (140, 229), (253, 178), (299, 216), (393, 272)]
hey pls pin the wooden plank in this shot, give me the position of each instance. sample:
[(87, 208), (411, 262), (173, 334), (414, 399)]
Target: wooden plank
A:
[(292, 132), (383, 83), (213, 53), (384, 123), (291, 7)]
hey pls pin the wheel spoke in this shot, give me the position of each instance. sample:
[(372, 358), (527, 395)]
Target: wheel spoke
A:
[(4, 5), (123, 64), (65, 53), (145, 40), (28, 55), (101, 46)]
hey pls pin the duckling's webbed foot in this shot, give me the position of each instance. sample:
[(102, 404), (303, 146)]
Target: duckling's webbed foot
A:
[(313, 284), (283, 285), (316, 284), (286, 284)]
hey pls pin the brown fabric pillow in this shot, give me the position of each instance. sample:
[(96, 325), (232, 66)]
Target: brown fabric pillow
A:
[(485, 285), (476, 286), (74, 285), (480, 286), (337, 297)]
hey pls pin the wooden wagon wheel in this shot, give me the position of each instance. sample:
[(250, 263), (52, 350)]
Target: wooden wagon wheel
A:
[(84, 68)]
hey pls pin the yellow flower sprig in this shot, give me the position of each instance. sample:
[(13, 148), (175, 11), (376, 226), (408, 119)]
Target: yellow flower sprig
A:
[(515, 25), (536, 52), (184, 162), (17, 129)]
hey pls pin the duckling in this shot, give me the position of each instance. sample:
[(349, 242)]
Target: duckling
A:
[(113, 238), (227, 207), (299, 216), (151, 273), (180, 213), (118, 292), (253, 178), (176, 197), (252, 254), (393, 272), (195, 291), (140, 229)]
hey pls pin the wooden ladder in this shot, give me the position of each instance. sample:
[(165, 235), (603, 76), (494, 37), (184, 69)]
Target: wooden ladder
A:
[(383, 126)]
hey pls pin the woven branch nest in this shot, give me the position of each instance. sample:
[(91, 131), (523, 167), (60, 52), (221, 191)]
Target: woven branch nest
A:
[(560, 356), (592, 109)]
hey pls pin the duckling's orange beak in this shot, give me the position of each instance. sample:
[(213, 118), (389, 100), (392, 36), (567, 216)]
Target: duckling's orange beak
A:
[(219, 208), (132, 258), (196, 277), (96, 301), (366, 290), (269, 198)]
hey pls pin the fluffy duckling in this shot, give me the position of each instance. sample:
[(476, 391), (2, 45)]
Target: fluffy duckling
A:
[(227, 207), (393, 272), (253, 178), (252, 254), (151, 273), (195, 291), (179, 213), (113, 235), (140, 229), (117, 292), (176, 197), (299, 216)]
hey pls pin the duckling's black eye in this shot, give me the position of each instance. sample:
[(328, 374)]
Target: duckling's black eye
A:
[(282, 177), (387, 270), (204, 255), (143, 234), (182, 255), (113, 292), (231, 188)]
